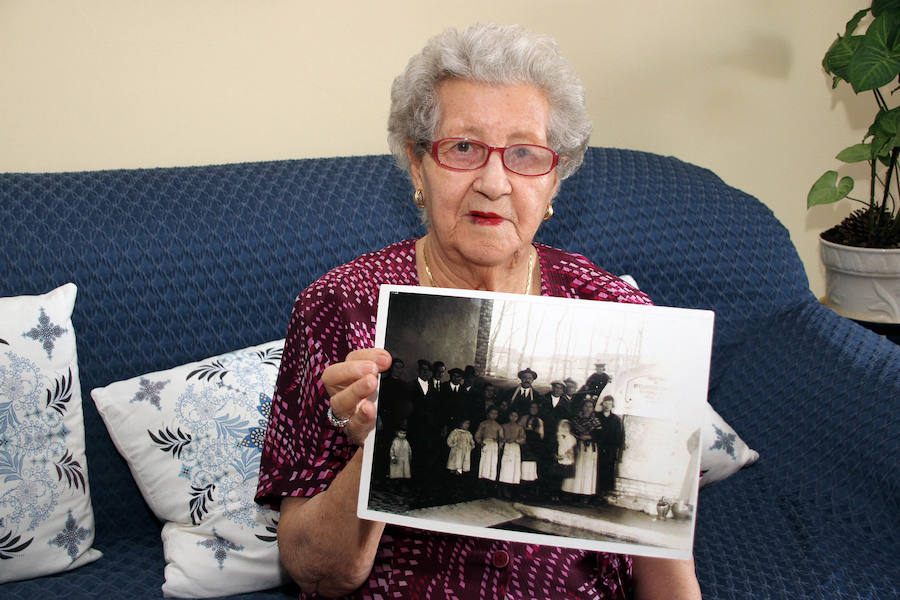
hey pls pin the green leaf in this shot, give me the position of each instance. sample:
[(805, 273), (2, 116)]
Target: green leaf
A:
[(827, 190), (877, 60), (879, 6), (837, 58), (855, 153), (885, 132), (882, 144), (853, 23)]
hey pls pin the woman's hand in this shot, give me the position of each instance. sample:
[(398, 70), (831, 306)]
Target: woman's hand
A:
[(664, 579), (351, 385)]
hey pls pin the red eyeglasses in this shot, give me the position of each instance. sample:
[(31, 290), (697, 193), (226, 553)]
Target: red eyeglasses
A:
[(463, 154)]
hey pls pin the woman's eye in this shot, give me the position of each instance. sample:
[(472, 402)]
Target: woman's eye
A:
[(463, 147), (522, 151)]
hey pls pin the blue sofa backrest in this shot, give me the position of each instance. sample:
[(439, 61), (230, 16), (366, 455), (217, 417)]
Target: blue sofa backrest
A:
[(178, 264)]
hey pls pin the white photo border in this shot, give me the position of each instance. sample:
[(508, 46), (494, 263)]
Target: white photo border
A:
[(702, 320)]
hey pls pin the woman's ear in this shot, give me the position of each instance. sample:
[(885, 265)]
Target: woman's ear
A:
[(556, 185), (415, 164)]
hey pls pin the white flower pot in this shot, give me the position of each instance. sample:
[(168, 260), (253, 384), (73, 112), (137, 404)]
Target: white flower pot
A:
[(862, 283)]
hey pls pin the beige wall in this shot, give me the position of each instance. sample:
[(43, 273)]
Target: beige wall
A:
[(732, 85)]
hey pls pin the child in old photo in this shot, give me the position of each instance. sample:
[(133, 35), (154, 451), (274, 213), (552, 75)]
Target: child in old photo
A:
[(401, 454), (565, 456), (461, 445)]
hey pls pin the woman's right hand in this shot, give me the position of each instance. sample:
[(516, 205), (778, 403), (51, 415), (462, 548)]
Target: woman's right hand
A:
[(351, 386)]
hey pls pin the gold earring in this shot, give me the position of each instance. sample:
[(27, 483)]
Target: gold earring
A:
[(420, 198), (549, 212)]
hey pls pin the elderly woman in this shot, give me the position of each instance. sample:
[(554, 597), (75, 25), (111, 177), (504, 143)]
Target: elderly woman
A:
[(488, 122)]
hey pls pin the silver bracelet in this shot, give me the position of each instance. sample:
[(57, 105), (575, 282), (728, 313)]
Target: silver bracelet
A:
[(336, 422)]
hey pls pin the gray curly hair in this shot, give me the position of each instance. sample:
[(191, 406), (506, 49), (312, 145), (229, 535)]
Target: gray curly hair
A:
[(494, 54)]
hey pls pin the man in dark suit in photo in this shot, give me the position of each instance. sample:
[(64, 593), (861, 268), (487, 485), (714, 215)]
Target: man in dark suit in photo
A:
[(453, 400), (437, 373), (423, 430), (610, 439), (469, 377), (558, 407), (520, 397), (558, 397)]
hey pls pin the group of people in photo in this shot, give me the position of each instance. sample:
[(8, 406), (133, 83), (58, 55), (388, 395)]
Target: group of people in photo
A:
[(513, 442)]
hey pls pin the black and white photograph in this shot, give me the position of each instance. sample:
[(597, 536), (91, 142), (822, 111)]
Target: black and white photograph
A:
[(536, 419)]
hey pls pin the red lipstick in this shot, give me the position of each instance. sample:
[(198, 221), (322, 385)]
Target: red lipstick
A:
[(486, 218)]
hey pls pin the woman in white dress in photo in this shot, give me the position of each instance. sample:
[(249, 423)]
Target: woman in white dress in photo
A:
[(511, 461), (489, 436), (584, 424)]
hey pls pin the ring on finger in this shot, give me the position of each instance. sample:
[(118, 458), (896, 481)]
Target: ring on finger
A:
[(335, 421)]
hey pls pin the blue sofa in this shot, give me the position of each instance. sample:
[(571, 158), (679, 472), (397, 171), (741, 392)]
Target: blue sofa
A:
[(178, 264)]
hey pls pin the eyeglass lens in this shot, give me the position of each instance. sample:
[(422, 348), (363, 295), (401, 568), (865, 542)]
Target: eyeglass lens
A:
[(525, 159)]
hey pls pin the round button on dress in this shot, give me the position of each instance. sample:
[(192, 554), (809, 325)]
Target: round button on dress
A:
[(500, 559)]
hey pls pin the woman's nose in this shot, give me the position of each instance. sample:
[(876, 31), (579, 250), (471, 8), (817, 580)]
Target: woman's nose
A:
[(493, 180)]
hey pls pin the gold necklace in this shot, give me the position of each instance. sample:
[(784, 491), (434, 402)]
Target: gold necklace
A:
[(434, 283)]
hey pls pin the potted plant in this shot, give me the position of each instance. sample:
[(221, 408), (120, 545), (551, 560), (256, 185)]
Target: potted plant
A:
[(862, 253)]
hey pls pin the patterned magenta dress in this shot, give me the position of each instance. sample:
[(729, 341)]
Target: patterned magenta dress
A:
[(303, 453)]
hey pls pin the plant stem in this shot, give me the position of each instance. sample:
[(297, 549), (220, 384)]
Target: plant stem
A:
[(897, 180), (872, 164), (879, 99), (895, 151)]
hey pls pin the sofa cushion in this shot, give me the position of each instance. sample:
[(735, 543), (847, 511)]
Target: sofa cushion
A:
[(192, 436), (46, 518)]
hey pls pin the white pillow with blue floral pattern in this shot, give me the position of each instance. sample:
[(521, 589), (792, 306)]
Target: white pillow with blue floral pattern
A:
[(724, 452), (46, 519), (192, 437)]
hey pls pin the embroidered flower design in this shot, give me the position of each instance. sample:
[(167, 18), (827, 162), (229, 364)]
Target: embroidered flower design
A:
[(220, 547), (149, 392), (724, 441), (46, 332), (71, 536)]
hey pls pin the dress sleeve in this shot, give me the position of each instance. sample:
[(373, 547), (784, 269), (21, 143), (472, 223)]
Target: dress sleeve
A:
[(302, 453)]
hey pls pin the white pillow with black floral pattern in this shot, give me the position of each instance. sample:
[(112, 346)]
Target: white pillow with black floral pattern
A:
[(192, 437), (46, 519)]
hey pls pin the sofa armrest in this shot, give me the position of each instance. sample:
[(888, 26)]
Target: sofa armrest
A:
[(816, 395)]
